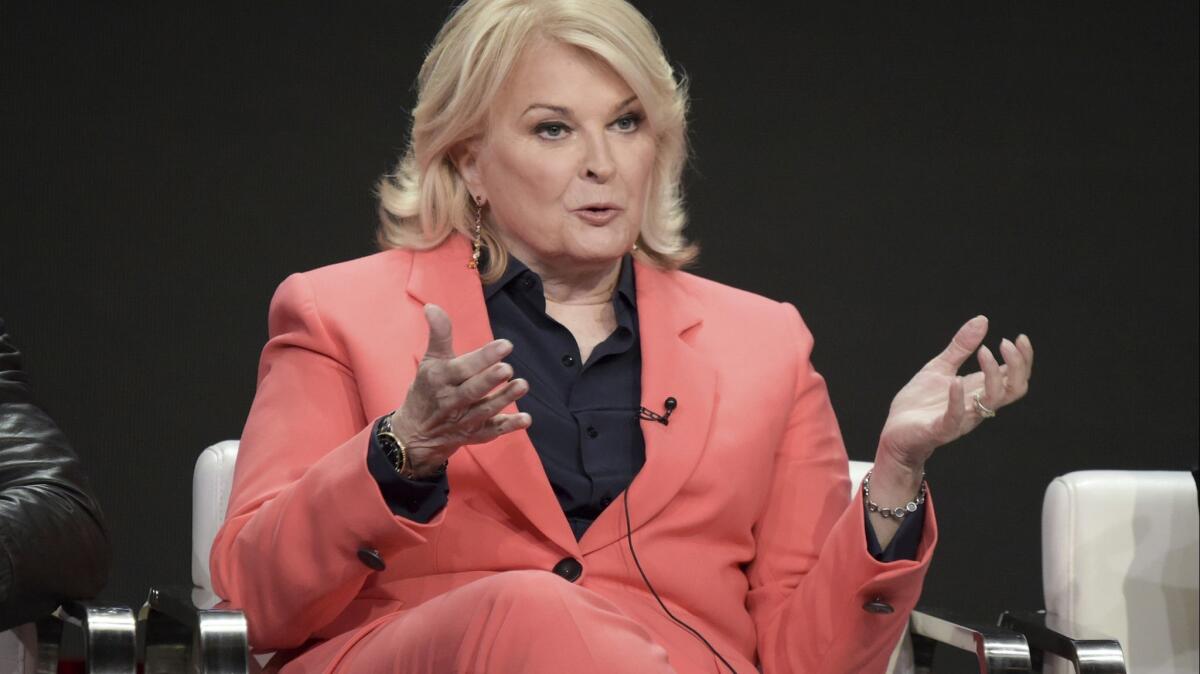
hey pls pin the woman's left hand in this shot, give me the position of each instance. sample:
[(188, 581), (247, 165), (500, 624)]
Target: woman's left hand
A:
[(937, 406)]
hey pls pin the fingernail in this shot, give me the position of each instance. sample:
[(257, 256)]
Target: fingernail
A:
[(1008, 342), (504, 346)]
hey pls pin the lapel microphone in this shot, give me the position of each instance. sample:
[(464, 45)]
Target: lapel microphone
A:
[(650, 415)]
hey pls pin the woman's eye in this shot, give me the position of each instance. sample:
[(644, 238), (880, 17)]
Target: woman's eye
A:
[(552, 130), (627, 123)]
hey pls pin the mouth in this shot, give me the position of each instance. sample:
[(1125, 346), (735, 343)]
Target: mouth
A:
[(598, 214)]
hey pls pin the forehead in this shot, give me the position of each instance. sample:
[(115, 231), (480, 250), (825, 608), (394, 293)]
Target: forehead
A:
[(554, 73)]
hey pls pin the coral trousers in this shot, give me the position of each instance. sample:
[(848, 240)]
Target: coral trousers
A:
[(532, 622)]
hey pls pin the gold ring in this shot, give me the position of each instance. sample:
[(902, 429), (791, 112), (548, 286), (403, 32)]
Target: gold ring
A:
[(983, 410)]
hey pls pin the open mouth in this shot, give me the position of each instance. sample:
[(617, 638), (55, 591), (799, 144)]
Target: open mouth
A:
[(597, 214)]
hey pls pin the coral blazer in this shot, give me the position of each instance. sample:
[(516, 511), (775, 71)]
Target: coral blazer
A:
[(741, 515)]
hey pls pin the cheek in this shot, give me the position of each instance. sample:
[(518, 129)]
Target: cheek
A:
[(640, 169), (523, 175)]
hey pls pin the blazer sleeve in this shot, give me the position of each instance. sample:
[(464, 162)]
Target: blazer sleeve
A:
[(303, 502), (812, 572)]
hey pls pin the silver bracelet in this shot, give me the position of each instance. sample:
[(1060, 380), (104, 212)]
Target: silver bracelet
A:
[(889, 513)]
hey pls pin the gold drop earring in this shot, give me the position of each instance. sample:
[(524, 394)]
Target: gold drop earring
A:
[(477, 243)]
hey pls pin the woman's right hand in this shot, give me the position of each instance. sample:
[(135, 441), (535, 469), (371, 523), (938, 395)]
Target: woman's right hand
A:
[(456, 400)]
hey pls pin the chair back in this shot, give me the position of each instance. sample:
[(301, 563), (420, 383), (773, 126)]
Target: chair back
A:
[(212, 481), (1121, 559)]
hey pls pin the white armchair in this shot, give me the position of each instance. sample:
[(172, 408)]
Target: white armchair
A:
[(1120, 566), (183, 632), (997, 650)]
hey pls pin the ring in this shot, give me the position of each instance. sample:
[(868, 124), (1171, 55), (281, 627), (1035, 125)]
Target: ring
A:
[(984, 411)]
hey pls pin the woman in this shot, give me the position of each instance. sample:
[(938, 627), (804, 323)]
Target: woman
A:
[(642, 473)]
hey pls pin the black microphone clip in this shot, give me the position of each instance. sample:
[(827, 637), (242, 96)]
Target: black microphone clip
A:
[(649, 415)]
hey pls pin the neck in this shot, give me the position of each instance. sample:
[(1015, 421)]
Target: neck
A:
[(571, 282), (579, 286)]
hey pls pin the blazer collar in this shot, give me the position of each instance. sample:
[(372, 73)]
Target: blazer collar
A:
[(668, 318)]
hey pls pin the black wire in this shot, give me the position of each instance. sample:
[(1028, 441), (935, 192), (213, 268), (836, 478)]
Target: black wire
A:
[(695, 633)]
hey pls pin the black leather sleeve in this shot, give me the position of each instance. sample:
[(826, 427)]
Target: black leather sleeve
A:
[(53, 541)]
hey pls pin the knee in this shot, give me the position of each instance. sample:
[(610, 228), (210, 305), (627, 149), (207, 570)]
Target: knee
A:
[(529, 590)]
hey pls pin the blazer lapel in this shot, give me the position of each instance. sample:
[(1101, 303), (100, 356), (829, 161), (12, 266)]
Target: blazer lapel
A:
[(440, 276), (670, 368)]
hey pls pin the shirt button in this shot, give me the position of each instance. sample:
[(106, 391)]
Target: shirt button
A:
[(878, 605), (592, 432), (604, 502), (370, 557), (568, 360), (569, 568), (527, 282)]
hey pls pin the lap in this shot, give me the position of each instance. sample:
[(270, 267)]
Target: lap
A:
[(527, 621)]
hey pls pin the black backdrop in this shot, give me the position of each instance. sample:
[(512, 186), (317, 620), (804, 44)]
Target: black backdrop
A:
[(890, 170)]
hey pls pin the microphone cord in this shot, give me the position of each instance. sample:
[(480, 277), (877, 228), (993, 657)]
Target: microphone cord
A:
[(646, 580)]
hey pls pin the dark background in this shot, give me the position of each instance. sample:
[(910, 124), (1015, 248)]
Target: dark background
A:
[(892, 170)]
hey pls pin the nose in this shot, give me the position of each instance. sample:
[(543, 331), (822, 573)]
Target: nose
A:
[(598, 164)]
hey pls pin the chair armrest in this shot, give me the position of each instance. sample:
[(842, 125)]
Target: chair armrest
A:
[(182, 637), (1090, 656), (998, 650), (109, 637)]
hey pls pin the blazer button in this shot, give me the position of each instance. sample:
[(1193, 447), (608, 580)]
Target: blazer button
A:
[(370, 557), (568, 568), (878, 605)]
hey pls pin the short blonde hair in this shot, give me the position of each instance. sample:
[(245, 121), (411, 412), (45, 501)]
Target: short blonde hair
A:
[(425, 199)]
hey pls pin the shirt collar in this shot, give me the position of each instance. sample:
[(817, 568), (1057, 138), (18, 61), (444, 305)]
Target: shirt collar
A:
[(515, 269)]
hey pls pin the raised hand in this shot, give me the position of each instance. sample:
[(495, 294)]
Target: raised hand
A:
[(456, 400), (937, 406)]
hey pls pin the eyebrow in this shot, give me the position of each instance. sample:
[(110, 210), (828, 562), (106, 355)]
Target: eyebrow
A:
[(561, 110)]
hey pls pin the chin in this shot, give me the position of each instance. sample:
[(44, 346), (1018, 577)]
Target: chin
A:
[(604, 243)]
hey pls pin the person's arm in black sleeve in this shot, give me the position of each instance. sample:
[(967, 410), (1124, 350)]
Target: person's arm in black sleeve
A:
[(906, 541), (53, 542), (418, 500)]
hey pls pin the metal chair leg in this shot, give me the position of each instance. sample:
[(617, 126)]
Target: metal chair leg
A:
[(109, 636), (1090, 656), (181, 637), (998, 650)]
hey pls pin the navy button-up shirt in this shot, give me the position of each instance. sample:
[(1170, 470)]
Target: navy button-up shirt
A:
[(586, 428)]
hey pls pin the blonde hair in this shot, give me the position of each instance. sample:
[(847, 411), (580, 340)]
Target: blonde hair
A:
[(424, 200)]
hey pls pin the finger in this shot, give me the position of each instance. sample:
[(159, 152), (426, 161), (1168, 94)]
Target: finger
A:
[(462, 368), (501, 424), (495, 402), (952, 419), (993, 379), (1016, 380), (441, 344), (1026, 348), (507, 423), (966, 340), (478, 386)]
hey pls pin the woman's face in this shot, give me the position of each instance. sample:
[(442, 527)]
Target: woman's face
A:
[(565, 162)]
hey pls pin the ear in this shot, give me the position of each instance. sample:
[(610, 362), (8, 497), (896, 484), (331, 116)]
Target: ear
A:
[(465, 158)]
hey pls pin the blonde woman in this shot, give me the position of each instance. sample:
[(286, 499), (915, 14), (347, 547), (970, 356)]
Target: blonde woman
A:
[(520, 439)]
